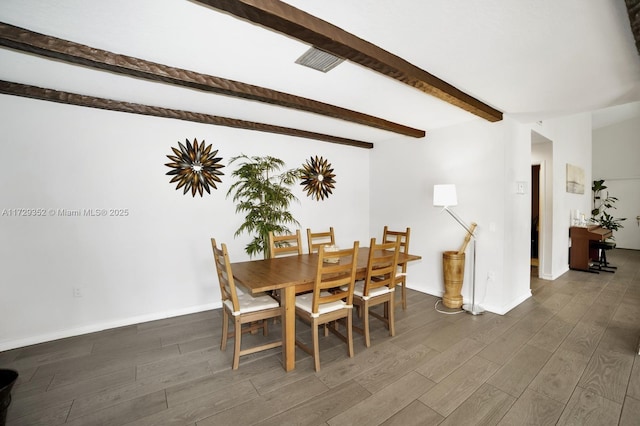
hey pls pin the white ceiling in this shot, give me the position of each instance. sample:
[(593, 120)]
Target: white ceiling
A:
[(531, 59)]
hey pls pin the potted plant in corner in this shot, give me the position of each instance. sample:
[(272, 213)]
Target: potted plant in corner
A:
[(264, 196), (602, 202)]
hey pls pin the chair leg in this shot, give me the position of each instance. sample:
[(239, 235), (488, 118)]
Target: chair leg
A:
[(365, 323), (238, 338), (601, 263), (265, 327), (404, 295), (316, 348), (604, 262), (225, 330), (391, 319), (350, 333)]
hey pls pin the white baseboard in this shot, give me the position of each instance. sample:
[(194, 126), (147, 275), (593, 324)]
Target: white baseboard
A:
[(92, 328), (555, 275), (501, 310)]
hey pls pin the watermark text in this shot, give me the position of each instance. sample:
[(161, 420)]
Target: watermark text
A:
[(61, 212)]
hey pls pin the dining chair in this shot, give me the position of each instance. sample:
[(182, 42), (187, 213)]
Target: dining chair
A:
[(244, 308), (331, 299), (378, 287), (317, 239), (401, 276), (283, 245)]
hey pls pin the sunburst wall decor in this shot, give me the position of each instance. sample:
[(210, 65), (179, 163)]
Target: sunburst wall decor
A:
[(195, 167), (317, 178)]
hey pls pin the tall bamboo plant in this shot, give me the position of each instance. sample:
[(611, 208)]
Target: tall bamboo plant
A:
[(602, 202), (264, 195)]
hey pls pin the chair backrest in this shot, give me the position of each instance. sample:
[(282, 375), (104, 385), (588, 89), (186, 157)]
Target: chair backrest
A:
[(403, 236), (225, 276), (317, 239), (381, 266), (390, 236), (336, 270), (285, 244)]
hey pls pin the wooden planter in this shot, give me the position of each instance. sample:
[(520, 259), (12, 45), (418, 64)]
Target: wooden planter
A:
[(453, 268)]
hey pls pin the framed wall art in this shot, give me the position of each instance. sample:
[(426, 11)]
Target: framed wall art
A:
[(575, 179)]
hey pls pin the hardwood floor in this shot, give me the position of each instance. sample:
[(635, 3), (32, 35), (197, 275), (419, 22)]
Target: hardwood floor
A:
[(564, 356)]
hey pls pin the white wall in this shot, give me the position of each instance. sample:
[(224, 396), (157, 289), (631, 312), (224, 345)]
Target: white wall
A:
[(571, 139), (513, 285), (472, 156), (155, 262), (485, 161), (616, 153)]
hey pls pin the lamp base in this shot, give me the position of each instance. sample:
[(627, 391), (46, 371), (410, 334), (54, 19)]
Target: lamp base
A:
[(473, 309)]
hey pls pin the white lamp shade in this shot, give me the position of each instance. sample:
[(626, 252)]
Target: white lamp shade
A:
[(445, 195)]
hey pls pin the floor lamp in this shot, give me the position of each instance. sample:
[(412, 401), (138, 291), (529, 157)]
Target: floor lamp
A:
[(445, 196)]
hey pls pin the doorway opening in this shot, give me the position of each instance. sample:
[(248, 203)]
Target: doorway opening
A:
[(541, 205), (535, 218)]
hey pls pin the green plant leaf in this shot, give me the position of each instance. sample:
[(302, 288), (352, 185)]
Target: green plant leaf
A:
[(602, 202), (263, 194)]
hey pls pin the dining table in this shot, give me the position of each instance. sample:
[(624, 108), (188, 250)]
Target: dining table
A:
[(292, 275)]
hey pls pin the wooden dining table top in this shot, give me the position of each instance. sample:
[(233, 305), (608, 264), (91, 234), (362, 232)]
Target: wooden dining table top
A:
[(299, 271)]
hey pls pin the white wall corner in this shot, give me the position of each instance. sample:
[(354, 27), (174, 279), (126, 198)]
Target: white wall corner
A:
[(503, 309)]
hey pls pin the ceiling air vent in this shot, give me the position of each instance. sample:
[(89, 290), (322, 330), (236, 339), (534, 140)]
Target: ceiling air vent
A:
[(318, 60)]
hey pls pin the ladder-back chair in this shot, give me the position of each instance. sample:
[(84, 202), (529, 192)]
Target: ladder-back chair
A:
[(317, 239), (244, 308), (284, 245), (401, 276), (331, 299), (378, 287)]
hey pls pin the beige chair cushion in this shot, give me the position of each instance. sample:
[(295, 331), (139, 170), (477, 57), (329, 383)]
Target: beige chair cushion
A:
[(359, 290), (249, 303), (305, 301)]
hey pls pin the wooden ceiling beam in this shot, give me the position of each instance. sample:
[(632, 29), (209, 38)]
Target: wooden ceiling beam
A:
[(75, 53), (633, 10), (286, 19), (33, 92)]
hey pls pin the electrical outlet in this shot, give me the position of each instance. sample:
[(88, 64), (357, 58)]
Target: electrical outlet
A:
[(77, 292)]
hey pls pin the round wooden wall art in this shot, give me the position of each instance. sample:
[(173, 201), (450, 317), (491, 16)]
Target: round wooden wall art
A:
[(317, 178), (195, 167)]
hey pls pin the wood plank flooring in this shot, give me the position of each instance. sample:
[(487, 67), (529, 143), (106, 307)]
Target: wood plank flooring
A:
[(564, 356)]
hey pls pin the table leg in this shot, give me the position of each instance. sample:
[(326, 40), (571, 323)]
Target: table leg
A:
[(289, 328)]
